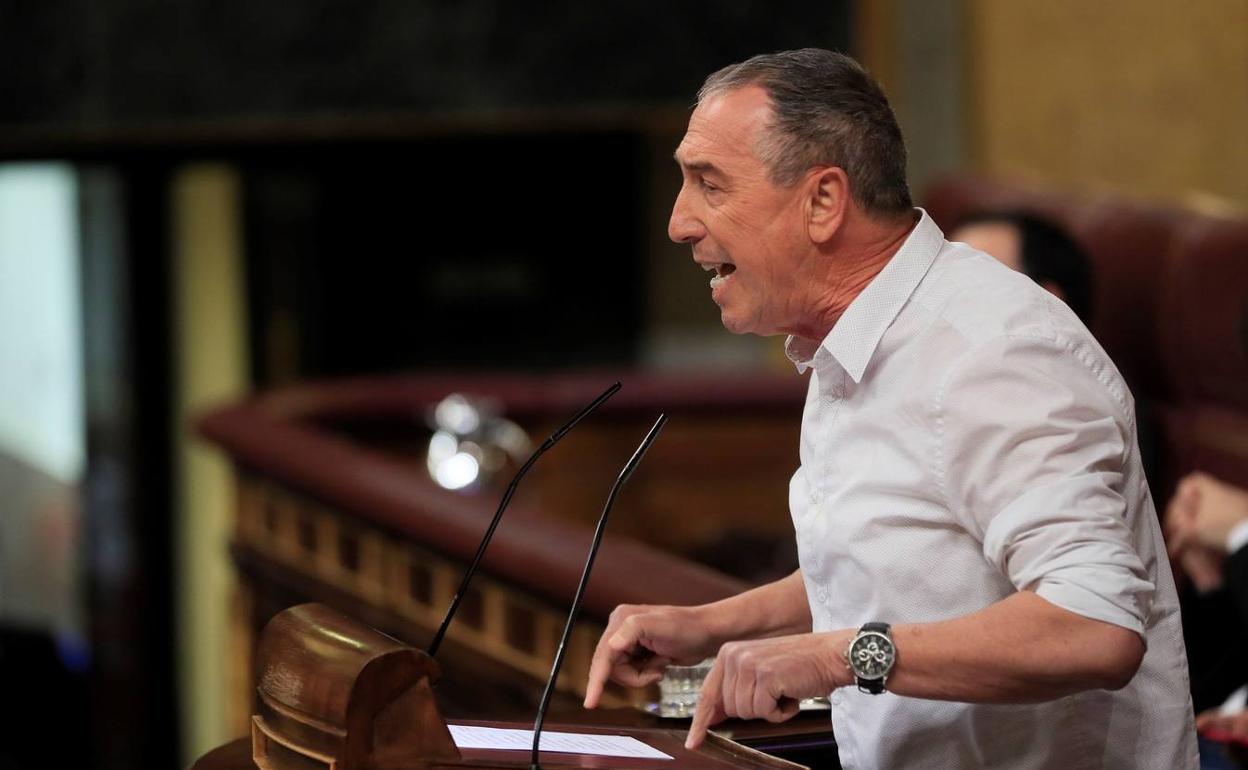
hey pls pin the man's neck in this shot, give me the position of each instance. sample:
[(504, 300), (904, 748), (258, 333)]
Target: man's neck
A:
[(855, 258)]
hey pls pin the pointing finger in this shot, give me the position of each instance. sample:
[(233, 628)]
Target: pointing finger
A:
[(606, 657), (709, 710), (599, 669)]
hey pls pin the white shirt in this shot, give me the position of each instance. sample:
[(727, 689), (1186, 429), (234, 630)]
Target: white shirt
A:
[(964, 438)]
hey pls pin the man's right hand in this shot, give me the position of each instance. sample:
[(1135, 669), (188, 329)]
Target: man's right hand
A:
[(641, 640)]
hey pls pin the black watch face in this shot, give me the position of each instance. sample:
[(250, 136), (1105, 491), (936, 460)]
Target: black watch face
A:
[(871, 655)]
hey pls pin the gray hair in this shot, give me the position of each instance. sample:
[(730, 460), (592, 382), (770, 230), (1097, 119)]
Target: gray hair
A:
[(826, 110)]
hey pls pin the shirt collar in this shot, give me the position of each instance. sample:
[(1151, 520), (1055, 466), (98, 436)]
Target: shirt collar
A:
[(857, 333)]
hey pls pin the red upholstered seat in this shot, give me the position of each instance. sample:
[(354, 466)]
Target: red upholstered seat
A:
[(1204, 347), (1205, 303), (1129, 244), (1170, 307)]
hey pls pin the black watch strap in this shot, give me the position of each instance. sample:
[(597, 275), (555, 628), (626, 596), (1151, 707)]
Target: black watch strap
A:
[(873, 686)]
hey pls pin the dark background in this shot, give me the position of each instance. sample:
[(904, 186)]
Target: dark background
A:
[(72, 63)]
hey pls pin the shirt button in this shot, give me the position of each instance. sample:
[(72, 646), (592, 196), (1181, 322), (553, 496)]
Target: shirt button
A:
[(835, 699)]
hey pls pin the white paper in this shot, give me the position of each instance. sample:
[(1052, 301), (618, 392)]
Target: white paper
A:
[(472, 737)]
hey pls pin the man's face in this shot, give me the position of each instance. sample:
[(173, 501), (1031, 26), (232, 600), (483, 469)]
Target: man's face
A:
[(749, 231)]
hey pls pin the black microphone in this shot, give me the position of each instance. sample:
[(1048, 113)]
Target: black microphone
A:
[(580, 589), (502, 505)]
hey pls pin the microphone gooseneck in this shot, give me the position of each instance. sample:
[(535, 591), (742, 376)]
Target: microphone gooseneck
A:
[(502, 506), (580, 589)]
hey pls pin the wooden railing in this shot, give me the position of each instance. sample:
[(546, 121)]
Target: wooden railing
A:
[(325, 513)]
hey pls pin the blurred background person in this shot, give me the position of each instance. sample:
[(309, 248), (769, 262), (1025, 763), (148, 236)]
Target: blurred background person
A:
[(1207, 532), (1040, 249)]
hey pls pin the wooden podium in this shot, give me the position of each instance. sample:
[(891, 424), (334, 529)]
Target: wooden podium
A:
[(335, 694)]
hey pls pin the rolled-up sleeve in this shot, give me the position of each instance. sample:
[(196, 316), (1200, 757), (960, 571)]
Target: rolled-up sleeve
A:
[(1031, 438)]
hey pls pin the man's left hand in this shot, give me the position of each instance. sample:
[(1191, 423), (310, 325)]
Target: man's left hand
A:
[(766, 678)]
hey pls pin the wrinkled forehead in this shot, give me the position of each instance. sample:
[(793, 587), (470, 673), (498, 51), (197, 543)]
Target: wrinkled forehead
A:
[(726, 127)]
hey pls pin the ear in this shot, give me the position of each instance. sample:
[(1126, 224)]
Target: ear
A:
[(828, 196)]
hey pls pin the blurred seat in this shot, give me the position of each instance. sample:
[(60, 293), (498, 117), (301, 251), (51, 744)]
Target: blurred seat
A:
[(1204, 303), (1170, 307)]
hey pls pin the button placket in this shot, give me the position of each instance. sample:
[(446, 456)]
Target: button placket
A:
[(829, 402), (819, 579)]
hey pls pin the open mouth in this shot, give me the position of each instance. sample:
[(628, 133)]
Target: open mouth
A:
[(722, 270)]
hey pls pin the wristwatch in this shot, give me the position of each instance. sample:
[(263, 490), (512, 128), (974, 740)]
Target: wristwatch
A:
[(871, 656)]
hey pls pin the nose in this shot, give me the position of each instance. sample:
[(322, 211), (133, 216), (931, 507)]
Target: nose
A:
[(684, 227)]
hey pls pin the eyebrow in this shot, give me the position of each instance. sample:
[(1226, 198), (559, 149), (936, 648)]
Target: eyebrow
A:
[(699, 166)]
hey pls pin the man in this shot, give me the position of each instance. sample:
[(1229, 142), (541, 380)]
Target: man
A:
[(968, 469), (1036, 247)]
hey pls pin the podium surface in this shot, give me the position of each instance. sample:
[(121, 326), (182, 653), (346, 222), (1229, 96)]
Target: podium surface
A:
[(335, 694), (803, 730)]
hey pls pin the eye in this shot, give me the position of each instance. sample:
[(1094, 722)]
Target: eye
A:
[(705, 185)]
